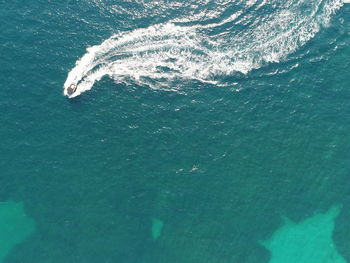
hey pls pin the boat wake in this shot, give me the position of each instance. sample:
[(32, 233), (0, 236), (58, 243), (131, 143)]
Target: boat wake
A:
[(208, 42)]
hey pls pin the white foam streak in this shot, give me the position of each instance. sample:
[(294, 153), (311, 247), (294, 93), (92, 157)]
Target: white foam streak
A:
[(159, 55)]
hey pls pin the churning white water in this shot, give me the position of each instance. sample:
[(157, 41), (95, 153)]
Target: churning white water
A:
[(208, 40)]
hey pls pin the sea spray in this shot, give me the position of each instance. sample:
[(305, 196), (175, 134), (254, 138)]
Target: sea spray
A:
[(161, 54)]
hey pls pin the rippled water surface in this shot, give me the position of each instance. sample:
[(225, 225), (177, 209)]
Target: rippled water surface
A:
[(175, 131)]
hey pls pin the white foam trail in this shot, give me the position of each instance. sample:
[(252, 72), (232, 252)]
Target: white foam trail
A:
[(159, 55)]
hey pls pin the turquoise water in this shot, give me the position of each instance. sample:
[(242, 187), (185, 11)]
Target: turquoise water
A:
[(199, 131), (310, 240)]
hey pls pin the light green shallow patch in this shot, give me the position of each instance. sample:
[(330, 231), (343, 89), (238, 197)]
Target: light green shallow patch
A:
[(157, 226), (310, 241), (15, 226)]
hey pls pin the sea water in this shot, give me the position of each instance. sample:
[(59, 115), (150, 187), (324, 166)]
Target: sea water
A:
[(199, 131)]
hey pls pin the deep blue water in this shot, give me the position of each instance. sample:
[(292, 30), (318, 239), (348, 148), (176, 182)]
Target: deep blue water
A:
[(216, 118)]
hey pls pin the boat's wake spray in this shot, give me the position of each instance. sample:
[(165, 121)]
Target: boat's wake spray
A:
[(246, 39)]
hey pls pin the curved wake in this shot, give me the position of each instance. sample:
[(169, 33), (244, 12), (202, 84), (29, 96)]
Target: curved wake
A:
[(207, 43)]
